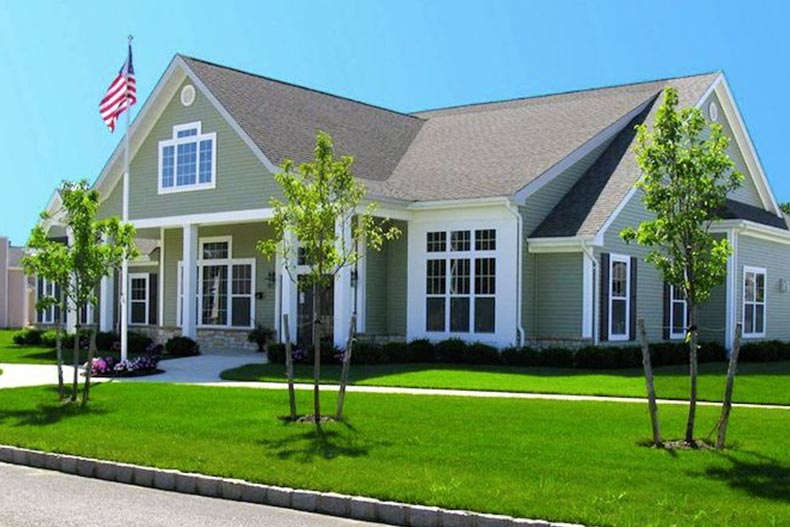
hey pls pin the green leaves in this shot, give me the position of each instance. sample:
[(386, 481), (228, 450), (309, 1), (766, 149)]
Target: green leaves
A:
[(687, 175), (322, 201), (96, 247)]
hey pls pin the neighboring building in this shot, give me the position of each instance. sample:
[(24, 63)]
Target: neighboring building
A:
[(510, 213), (15, 293)]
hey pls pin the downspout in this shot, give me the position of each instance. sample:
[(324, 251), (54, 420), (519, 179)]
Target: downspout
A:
[(512, 208), (596, 291)]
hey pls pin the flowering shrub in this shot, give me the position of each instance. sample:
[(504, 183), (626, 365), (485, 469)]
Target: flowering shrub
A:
[(299, 355), (139, 365)]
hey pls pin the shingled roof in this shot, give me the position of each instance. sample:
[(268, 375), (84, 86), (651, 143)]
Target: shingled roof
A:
[(473, 151), (596, 195)]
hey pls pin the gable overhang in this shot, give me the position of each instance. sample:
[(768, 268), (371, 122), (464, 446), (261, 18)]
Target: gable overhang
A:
[(562, 244), (177, 71), (574, 157), (753, 229)]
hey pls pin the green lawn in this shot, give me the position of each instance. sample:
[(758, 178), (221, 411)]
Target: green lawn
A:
[(568, 461), (13, 354), (756, 382)]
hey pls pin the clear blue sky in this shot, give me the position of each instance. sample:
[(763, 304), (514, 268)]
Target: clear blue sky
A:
[(57, 58)]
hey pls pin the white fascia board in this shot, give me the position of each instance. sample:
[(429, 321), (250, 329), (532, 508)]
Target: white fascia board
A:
[(211, 218), (746, 146), (750, 228), (575, 156), (567, 244), (497, 201)]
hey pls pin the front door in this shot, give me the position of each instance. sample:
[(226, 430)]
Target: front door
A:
[(304, 330)]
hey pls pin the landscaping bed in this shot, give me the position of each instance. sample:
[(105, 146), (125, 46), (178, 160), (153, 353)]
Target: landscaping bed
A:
[(575, 462), (767, 382)]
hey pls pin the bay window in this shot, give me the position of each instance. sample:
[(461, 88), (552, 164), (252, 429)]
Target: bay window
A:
[(461, 281)]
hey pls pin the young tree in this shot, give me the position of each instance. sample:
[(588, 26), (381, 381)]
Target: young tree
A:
[(96, 248), (686, 178), (322, 214), (49, 259)]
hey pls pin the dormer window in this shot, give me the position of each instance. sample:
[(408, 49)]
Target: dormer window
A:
[(188, 160)]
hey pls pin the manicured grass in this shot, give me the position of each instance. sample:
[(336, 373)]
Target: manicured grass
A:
[(756, 382), (568, 461), (10, 353)]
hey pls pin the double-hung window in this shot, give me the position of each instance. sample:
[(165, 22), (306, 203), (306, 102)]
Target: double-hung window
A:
[(188, 160), (619, 297), (47, 289), (226, 286), (138, 298), (460, 281), (678, 313), (754, 301)]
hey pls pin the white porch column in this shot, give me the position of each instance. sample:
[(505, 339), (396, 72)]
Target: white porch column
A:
[(189, 309), (344, 299), (106, 302)]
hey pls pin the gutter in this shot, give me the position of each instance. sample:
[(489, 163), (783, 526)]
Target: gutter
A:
[(512, 208)]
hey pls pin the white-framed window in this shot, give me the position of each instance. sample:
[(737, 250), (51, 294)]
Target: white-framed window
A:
[(188, 160), (86, 315), (225, 286), (138, 299), (754, 301), (47, 289), (619, 296), (460, 286), (678, 313)]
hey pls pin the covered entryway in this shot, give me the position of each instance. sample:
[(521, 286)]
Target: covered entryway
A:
[(305, 301)]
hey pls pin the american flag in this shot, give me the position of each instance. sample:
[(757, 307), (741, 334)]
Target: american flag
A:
[(121, 94)]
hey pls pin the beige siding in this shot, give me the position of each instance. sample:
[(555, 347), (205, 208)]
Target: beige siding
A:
[(649, 285), (774, 258), (747, 193), (241, 180), (385, 312), (558, 287), (17, 293)]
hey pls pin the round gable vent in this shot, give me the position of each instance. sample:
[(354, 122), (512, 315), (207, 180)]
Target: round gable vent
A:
[(187, 95), (713, 111)]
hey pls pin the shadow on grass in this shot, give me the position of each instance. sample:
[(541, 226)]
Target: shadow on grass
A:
[(49, 413), (316, 442), (761, 476)]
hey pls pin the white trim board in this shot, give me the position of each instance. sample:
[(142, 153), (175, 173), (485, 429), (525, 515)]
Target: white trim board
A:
[(208, 218)]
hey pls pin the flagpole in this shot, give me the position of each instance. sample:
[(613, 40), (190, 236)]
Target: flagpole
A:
[(125, 264)]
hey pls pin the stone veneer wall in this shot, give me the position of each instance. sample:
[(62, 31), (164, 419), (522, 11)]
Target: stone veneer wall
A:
[(225, 340)]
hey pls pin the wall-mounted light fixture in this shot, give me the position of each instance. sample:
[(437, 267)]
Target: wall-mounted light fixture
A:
[(271, 277), (782, 285), (354, 278)]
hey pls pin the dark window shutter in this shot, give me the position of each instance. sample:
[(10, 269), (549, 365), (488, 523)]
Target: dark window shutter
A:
[(604, 315), (153, 298), (667, 310), (632, 302)]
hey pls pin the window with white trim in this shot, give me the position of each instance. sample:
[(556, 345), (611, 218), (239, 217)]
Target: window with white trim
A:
[(47, 289), (226, 286), (619, 296), (678, 313), (460, 281), (138, 299), (188, 160), (754, 301)]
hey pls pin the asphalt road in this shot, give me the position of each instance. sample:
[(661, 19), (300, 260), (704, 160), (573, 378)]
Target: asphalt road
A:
[(35, 497)]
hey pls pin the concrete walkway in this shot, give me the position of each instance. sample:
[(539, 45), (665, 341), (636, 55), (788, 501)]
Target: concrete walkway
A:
[(204, 370)]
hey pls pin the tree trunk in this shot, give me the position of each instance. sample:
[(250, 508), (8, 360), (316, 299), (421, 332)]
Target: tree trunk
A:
[(692, 374), (76, 360), (316, 355), (651, 390), (59, 353), (341, 397), (86, 388), (727, 404), (289, 366)]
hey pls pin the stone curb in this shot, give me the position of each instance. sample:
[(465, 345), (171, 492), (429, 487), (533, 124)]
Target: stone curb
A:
[(331, 503)]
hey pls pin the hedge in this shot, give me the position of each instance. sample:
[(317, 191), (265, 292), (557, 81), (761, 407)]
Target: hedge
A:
[(456, 351)]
